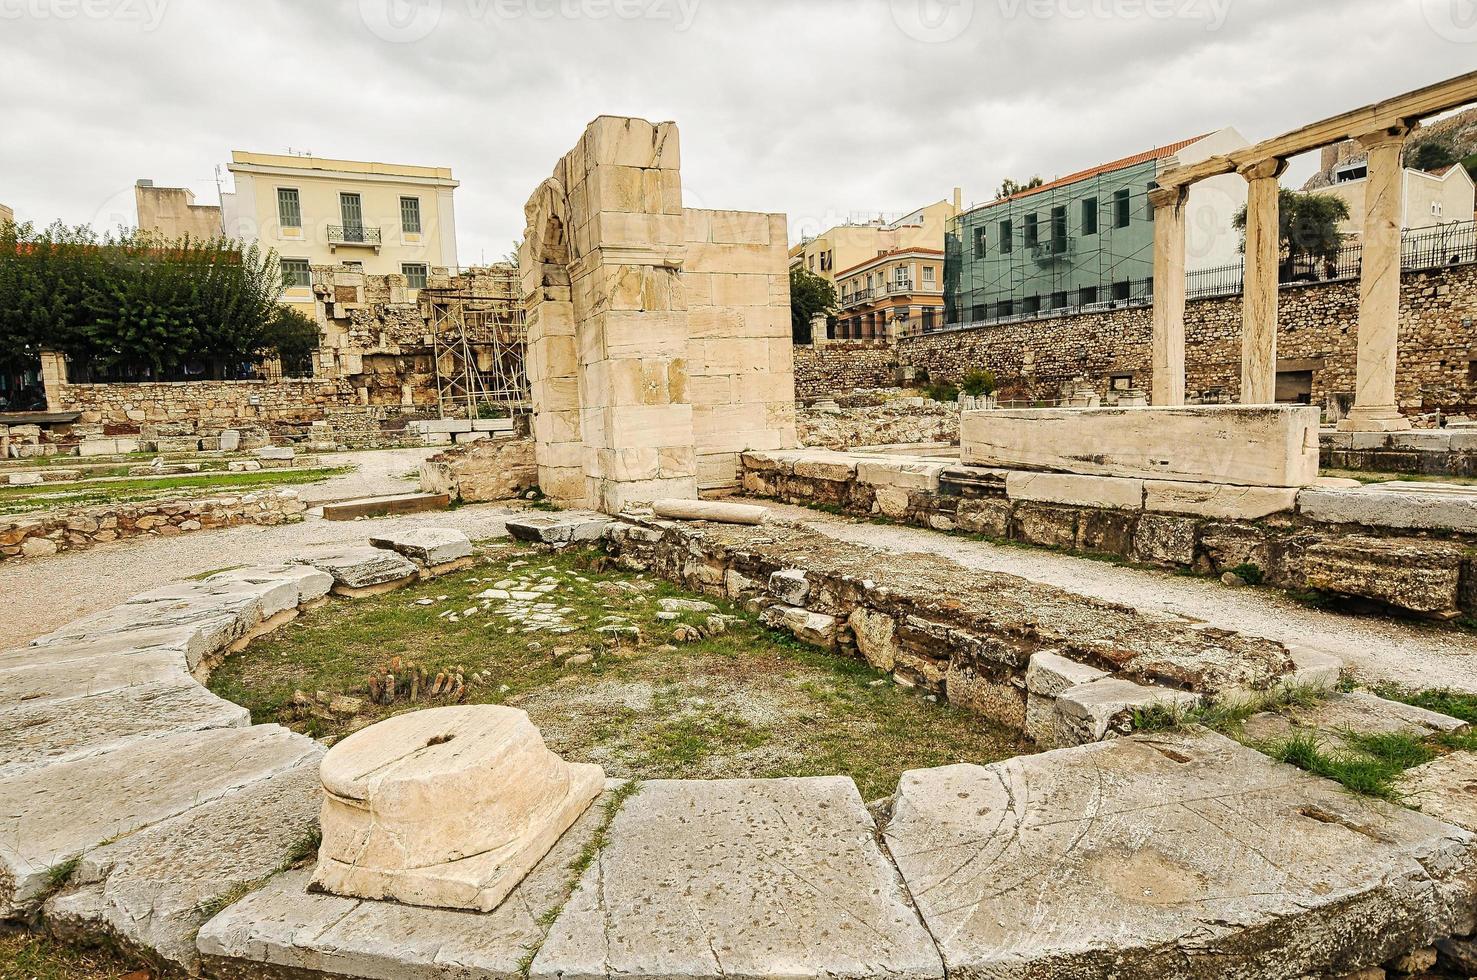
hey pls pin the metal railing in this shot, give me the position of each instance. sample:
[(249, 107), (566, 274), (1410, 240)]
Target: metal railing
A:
[(353, 235), (856, 298)]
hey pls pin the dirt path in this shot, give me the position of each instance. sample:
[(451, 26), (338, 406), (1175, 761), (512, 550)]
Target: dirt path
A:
[(1407, 653)]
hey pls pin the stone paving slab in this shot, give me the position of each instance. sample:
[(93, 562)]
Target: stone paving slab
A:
[(202, 626), (1445, 788), (1356, 711), (154, 889), (44, 682), (1416, 506), (740, 878), (285, 930), (49, 816), (33, 734), (566, 527), (362, 568), (432, 545), (1169, 858)]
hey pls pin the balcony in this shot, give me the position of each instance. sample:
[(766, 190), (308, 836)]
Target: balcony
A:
[(1054, 250), (353, 236), (857, 298), (896, 288)]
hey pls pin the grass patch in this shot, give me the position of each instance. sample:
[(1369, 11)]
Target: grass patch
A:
[(1372, 771), (745, 702), (17, 500), (1457, 704), (1249, 573), (58, 875), (1367, 476), (1225, 717), (30, 956)]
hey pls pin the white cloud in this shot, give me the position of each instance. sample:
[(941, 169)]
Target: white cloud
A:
[(818, 108)]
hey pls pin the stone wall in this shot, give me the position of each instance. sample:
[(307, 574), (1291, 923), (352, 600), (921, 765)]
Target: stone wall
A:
[(1318, 333), (224, 404), (824, 370), (893, 422), (38, 537), (483, 471)]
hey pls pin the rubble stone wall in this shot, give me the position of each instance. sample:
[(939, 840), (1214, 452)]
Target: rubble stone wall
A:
[(1318, 333), (70, 530), (482, 471), (895, 422), (228, 403), (824, 370)]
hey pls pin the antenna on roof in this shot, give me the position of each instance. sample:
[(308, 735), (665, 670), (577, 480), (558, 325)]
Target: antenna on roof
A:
[(299, 153)]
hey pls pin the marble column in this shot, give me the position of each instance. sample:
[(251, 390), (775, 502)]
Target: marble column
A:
[(1169, 295), (1259, 306), (1379, 289)]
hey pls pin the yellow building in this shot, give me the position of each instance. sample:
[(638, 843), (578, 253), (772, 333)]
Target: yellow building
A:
[(384, 219), (171, 212), (847, 246), (6, 214)]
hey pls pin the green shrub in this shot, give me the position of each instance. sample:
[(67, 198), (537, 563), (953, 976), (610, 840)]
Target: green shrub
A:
[(979, 383), (1249, 573), (942, 391)]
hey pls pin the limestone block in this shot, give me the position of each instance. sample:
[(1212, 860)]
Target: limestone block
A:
[(790, 586), (740, 878), (904, 474), (1150, 834), (243, 466), (1417, 508), (311, 583), (45, 681), (1163, 539), (833, 467), (1420, 575), (142, 783), (1077, 491), (447, 808), (25, 479), (717, 511), (153, 890), (1446, 789), (1099, 709), (1331, 718), (1218, 500), (230, 440), (429, 545), (1048, 676), (1000, 697), (876, 637), (566, 527), (817, 629), (362, 568), (275, 452), (1242, 445)]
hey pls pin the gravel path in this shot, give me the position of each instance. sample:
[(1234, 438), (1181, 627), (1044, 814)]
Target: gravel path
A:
[(1405, 652), (377, 473)]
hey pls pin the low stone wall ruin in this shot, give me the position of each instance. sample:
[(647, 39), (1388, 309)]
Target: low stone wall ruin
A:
[(890, 422), (483, 471), (71, 530), (824, 370)]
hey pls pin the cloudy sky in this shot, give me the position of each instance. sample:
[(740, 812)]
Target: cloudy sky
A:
[(818, 108)]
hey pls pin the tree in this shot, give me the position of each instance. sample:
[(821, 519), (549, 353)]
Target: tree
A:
[(1430, 155), (1308, 226), (1010, 187), (809, 295), (293, 338)]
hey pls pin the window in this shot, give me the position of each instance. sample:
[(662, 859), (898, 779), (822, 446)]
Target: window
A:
[(410, 215), (1007, 236), (1033, 231), (1122, 290), (930, 276), (827, 261), (900, 275), (979, 243), (351, 206), (415, 275), (810, 262), (1121, 382), (1089, 216), (296, 274), (977, 313), (928, 314), (1436, 209), (1058, 300), (289, 208), (1059, 225), (1031, 304), (1005, 307), (1086, 296), (1121, 212)]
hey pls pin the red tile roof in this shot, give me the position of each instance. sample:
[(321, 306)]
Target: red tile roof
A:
[(889, 255), (1158, 153)]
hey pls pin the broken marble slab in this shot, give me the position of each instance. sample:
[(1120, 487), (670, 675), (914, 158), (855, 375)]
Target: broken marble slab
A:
[(153, 890), (62, 811), (284, 928), (312, 584), (356, 569), (706, 880), (42, 682), (1445, 788), (431, 546), (1184, 856), (566, 527), (447, 807), (43, 732), (1330, 720)]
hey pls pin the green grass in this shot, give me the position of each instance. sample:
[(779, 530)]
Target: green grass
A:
[(29, 956), (748, 702), (1457, 704), (1224, 716), (1371, 767), (19, 500)]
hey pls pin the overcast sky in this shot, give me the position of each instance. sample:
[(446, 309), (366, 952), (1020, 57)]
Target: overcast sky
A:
[(818, 108)]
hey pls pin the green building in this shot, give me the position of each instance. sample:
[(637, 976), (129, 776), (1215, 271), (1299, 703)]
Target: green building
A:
[(1081, 241)]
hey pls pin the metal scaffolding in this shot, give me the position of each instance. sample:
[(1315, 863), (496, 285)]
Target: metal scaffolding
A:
[(478, 340)]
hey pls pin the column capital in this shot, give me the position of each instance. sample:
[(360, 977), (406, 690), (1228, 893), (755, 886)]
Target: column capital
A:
[(1168, 197), (1395, 135), (1263, 169)]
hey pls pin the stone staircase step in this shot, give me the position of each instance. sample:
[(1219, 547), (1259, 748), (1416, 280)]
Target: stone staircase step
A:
[(410, 503), (153, 890)]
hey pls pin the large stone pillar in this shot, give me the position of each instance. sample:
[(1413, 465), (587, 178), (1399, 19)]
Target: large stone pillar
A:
[(54, 376), (1259, 306), (1379, 289), (1169, 295)]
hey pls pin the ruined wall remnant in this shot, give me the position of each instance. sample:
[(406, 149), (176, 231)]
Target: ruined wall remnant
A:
[(826, 370), (658, 337)]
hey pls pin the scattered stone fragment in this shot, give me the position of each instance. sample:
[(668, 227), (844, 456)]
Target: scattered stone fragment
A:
[(430, 545)]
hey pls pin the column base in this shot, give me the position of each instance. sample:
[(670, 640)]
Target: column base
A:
[(1383, 419)]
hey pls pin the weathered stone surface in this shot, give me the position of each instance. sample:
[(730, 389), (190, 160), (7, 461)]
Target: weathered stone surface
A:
[(740, 878), (285, 927), (406, 503), (1246, 445), (44, 682), (1176, 857), (1416, 506), (1048, 676), (142, 783), (43, 732), (814, 628), (566, 527), (362, 568), (1078, 491), (312, 584), (275, 452), (154, 889), (876, 637), (1218, 500), (1164, 539), (1357, 711), (1098, 709), (1409, 573), (790, 586), (820, 464), (718, 511), (447, 808), (1445, 788), (486, 470), (430, 545), (902, 473)]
